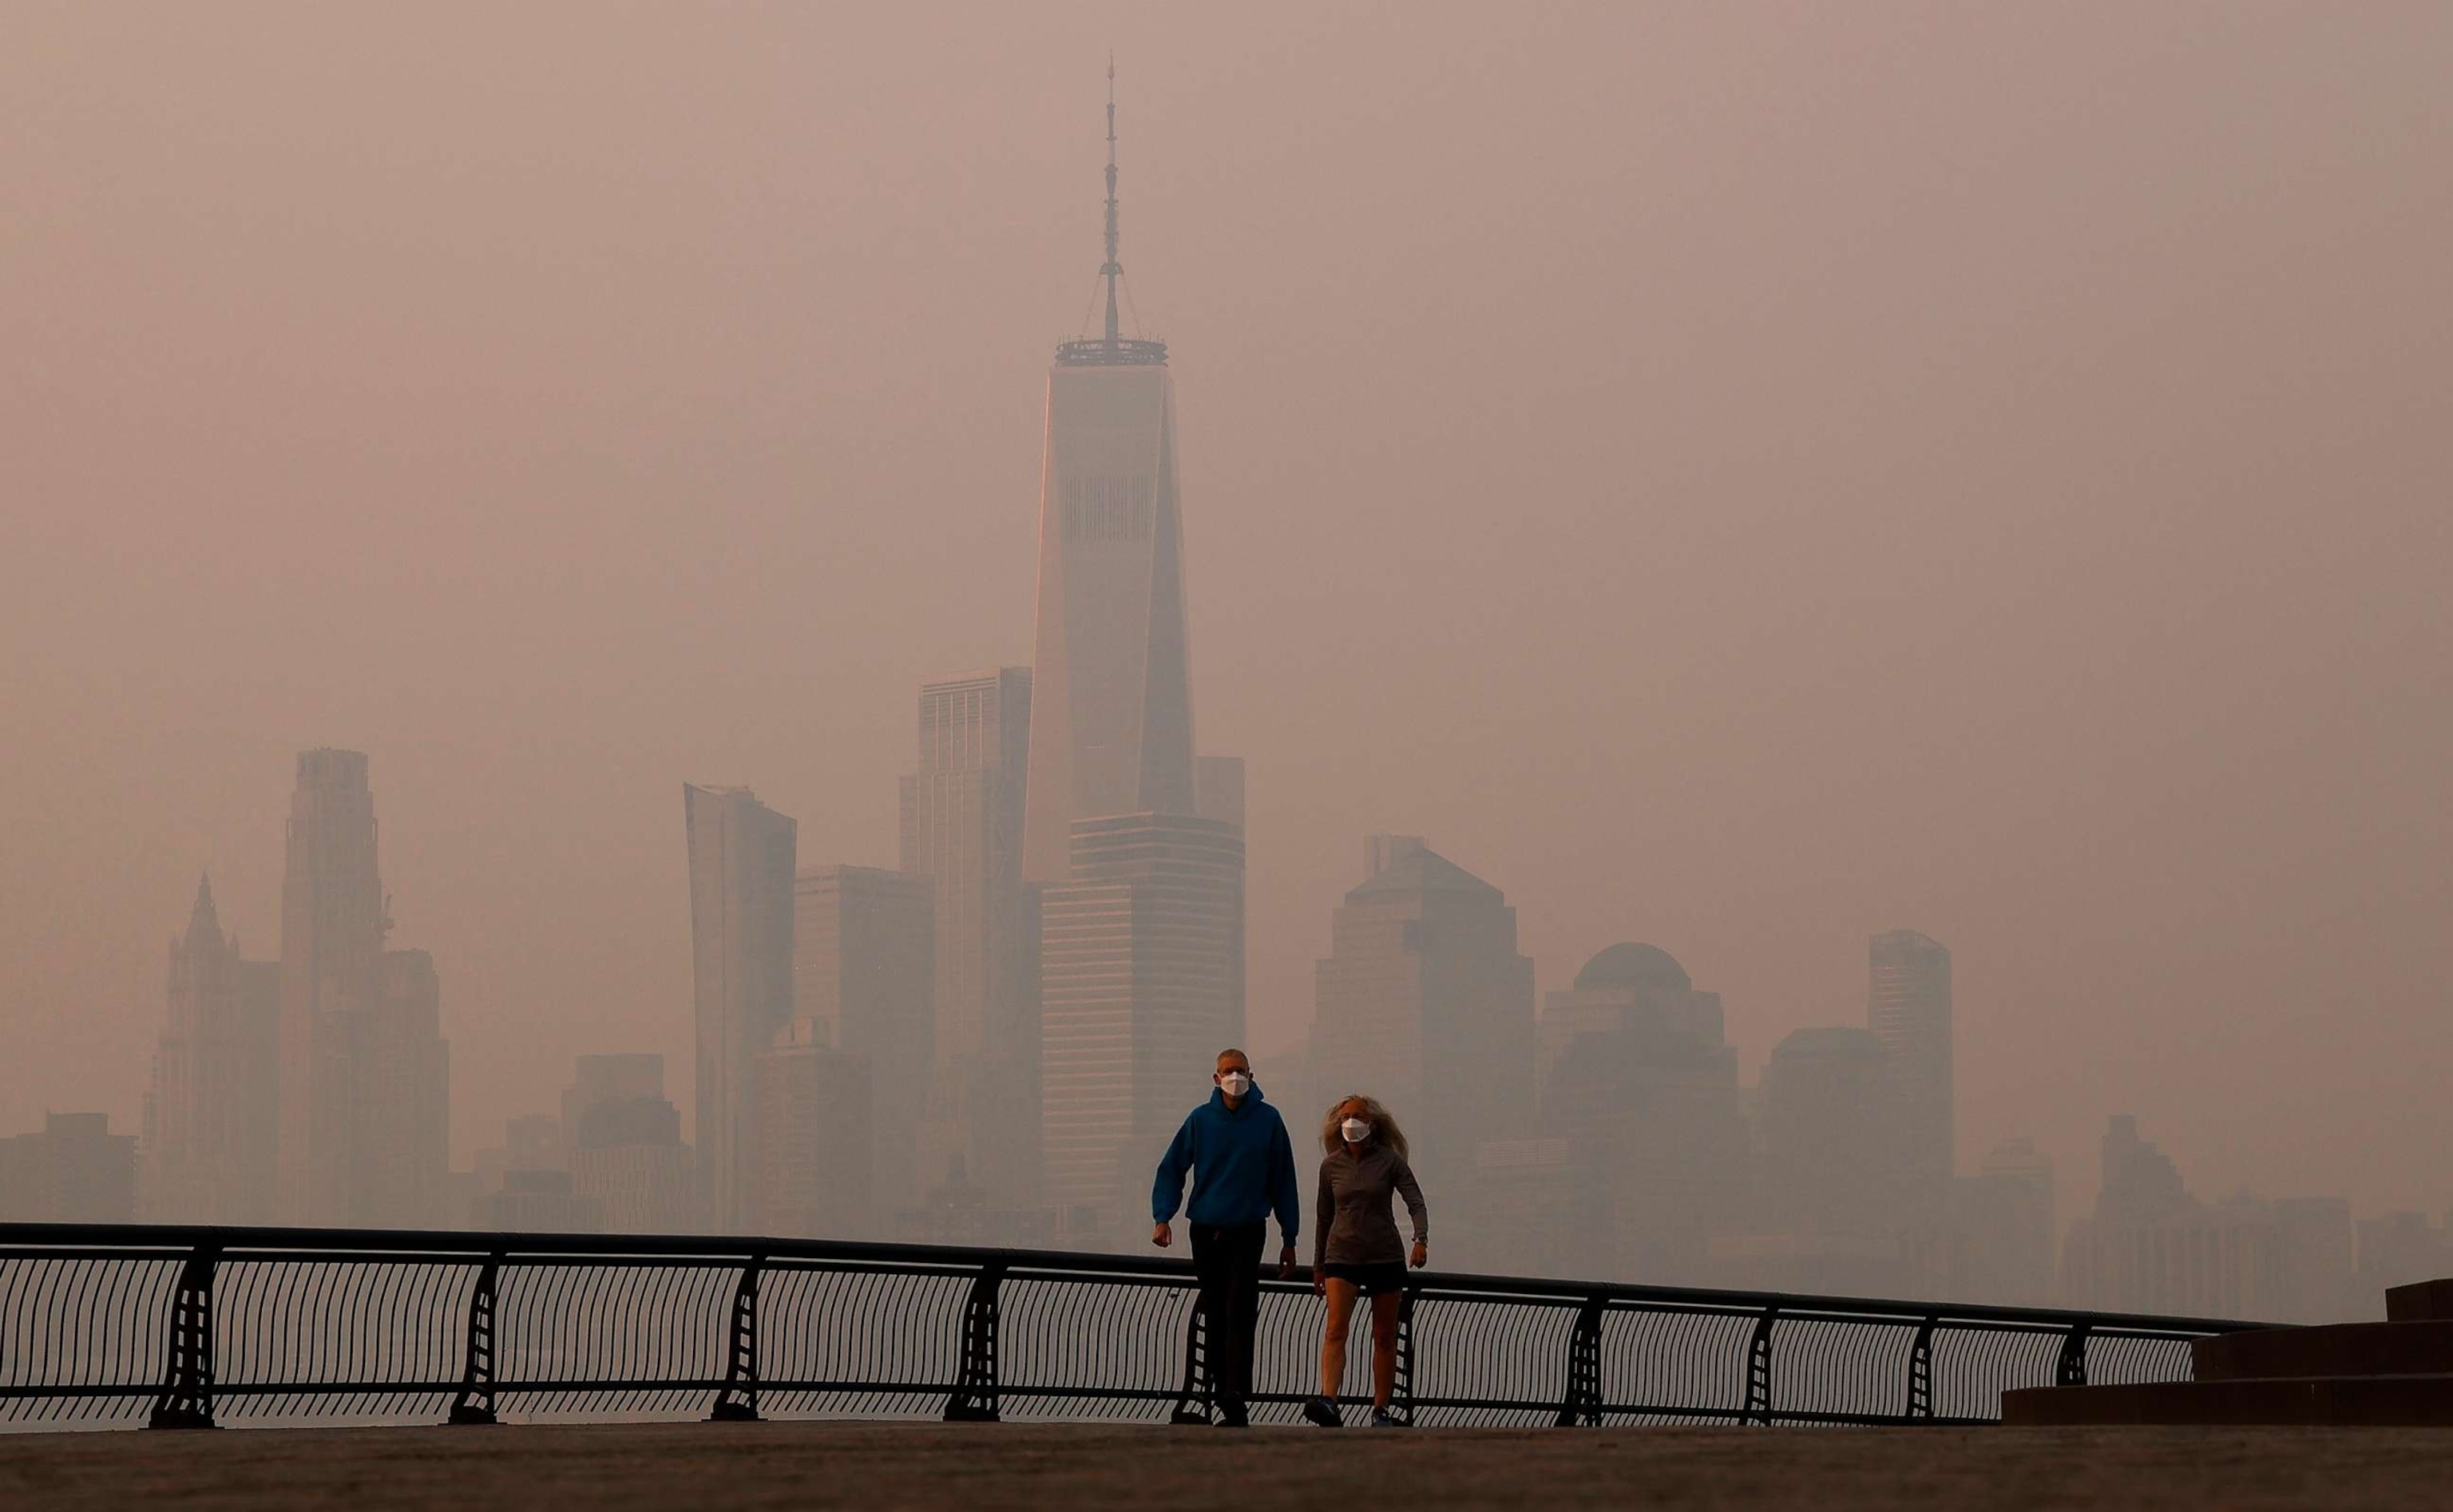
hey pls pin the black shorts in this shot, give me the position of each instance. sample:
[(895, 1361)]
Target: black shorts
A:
[(1372, 1280)]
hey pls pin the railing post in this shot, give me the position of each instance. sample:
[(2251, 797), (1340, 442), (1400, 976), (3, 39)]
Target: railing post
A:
[(738, 1401), (1758, 1408), (186, 1400), (475, 1403), (975, 1398), (1920, 1372), (1401, 1395), (2070, 1370), (1582, 1405), (1192, 1399)]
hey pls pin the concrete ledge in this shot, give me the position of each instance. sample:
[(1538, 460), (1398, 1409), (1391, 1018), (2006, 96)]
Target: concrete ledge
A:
[(2422, 1301), (2327, 1401), (2335, 1349)]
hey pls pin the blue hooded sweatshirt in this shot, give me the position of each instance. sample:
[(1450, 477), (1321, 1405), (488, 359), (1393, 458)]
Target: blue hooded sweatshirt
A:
[(1243, 1168)]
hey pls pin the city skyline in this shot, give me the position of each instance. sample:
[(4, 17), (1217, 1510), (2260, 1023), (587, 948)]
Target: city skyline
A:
[(2020, 671)]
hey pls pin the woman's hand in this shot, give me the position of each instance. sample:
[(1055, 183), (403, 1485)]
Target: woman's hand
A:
[(1422, 1254), (1319, 1282)]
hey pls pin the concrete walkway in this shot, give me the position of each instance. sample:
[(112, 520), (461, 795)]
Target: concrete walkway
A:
[(975, 1467)]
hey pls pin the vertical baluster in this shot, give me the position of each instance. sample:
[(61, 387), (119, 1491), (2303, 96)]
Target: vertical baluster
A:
[(1758, 1408), (186, 1400), (1192, 1399), (975, 1397), (475, 1403), (738, 1401), (1580, 1406)]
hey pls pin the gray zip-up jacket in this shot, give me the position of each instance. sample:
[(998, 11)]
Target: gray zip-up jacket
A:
[(1356, 1226)]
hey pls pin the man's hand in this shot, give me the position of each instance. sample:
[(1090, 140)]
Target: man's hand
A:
[(1286, 1262), (1162, 1236), (1422, 1254)]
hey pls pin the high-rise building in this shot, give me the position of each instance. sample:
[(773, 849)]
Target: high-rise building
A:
[(962, 828), (210, 1130), (1907, 1008), (1111, 699), (2001, 1240), (1639, 1078), (1425, 1003), (1142, 984), (741, 863), (1832, 1210), (365, 1082), (816, 1137), (623, 1141), (864, 974)]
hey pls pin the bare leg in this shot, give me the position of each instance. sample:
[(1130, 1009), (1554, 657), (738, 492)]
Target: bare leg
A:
[(1332, 1337), (1383, 1345)]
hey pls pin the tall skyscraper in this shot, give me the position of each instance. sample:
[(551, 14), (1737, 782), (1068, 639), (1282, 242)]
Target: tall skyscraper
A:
[(741, 860), (1907, 1007), (1425, 1003), (864, 974), (1111, 718), (212, 1129), (1142, 984), (364, 1073), (962, 828)]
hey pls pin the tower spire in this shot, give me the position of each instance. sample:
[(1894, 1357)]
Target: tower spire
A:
[(1111, 269)]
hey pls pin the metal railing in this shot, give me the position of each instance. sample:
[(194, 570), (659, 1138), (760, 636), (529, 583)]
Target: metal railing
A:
[(191, 1327)]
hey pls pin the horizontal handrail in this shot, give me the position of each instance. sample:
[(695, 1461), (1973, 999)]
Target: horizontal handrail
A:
[(270, 1324)]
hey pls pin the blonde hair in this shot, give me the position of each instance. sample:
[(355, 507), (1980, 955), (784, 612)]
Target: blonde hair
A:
[(1384, 1127)]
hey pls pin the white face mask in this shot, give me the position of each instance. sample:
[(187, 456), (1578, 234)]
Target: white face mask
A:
[(1235, 1084), (1355, 1130)]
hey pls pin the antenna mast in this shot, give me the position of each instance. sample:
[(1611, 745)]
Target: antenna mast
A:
[(1112, 269)]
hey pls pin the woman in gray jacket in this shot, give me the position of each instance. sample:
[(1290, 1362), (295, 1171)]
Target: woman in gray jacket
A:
[(1356, 1251)]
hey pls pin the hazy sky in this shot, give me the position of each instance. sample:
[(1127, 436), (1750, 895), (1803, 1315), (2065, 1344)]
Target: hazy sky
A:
[(1736, 476)]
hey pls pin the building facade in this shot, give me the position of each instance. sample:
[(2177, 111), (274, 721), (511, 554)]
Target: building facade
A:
[(1907, 1008), (816, 1124), (1142, 984), (864, 979), (741, 866), (1425, 1003), (212, 1129), (364, 1073), (962, 828)]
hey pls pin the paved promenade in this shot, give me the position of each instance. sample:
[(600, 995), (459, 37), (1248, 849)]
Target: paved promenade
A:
[(975, 1467)]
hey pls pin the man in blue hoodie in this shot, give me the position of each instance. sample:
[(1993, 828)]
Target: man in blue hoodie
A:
[(1243, 1170)]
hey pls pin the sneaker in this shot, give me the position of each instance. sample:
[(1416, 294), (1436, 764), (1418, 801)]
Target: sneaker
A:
[(1321, 1412), (1233, 1417), (1382, 1417)]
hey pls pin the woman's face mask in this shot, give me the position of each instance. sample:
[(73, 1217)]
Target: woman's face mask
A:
[(1355, 1130)]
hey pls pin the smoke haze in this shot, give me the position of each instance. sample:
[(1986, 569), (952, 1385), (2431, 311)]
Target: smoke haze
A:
[(1740, 478)]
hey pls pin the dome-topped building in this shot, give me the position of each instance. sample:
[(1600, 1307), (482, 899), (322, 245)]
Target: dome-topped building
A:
[(1641, 966)]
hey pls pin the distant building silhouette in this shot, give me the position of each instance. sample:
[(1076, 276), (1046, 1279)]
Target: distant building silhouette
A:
[(1638, 1076), (1831, 1216), (74, 1171), (623, 1141), (864, 969), (2001, 1234), (816, 1134), (962, 827), (363, 1103), (1426, 1003), (741, 867), (1141, 985), (2149, 1246), (212, 1129), (1907, 1008)]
